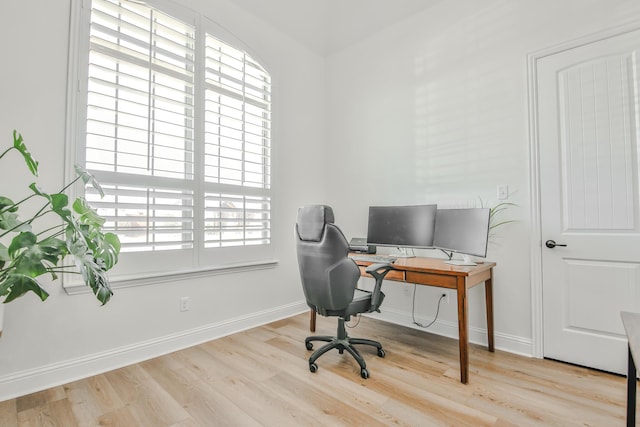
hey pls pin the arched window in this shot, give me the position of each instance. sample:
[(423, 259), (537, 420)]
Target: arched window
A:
[(175, 124)]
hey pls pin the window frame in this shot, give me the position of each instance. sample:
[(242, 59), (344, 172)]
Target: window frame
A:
[(139, 268)]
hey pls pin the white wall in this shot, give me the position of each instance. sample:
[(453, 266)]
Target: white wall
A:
[(71, 336), (434, 109)]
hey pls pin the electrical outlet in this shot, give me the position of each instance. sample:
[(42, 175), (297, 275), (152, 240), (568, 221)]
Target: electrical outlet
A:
[(445, 295), (184, 304), (407, 290)]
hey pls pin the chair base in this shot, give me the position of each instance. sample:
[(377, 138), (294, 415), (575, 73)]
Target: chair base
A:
[(341, 342)]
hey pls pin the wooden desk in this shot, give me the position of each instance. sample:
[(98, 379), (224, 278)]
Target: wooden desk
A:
[(435, 272), (631, 323)]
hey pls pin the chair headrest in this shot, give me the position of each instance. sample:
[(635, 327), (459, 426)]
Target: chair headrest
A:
[(311, 221)]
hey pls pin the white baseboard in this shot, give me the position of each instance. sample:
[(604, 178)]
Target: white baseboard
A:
[(37, 379), (505, 342)]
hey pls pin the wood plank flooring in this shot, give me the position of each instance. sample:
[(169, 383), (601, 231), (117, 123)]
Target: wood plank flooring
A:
[(260, 377)]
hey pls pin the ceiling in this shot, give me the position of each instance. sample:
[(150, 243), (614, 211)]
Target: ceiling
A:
[(326, 26)]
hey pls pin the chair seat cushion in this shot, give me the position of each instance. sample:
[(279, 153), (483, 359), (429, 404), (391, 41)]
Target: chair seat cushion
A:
[(360, 295), (361, 304)]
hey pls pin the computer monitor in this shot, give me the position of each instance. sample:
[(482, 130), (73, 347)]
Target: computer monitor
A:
[(465, 231), (402, 226)]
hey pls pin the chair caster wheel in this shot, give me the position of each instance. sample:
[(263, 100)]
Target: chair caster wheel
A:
[(381, 353), (364, 373), (313, 367), (309, 345)]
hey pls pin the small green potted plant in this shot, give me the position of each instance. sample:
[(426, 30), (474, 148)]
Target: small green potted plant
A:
[(494, 214), (77, 244)]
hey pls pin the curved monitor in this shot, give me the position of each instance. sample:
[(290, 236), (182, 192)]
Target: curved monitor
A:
[(402, 226), (465, 231)]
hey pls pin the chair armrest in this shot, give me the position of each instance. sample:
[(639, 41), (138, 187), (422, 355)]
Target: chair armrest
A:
[(378, 271), (384, 266)]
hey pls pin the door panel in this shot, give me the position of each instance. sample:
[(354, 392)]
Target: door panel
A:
[(588, 125), (615, 283), (596, 141)]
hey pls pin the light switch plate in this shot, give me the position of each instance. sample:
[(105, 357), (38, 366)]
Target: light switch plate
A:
[(503, 192)]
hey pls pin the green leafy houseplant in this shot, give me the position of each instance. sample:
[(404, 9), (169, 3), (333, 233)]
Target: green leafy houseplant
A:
[(27, 253), (494, 214)]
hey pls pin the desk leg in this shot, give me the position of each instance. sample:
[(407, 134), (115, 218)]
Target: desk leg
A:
[(631, 392), (463, 330), (312, 320), (488, 291)]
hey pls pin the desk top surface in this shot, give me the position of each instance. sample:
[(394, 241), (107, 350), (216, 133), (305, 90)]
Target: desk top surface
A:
[(631, 322), (437, 266)]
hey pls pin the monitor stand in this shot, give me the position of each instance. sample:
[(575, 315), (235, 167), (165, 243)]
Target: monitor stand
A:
[(402, 253), (466, 260)]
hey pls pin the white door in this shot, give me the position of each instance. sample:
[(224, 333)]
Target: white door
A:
[(588, 117)]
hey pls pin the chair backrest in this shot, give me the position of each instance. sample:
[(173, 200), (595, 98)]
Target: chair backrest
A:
[(329, 277)]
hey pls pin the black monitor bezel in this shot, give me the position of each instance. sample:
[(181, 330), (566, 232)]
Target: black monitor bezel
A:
[(429, 218)]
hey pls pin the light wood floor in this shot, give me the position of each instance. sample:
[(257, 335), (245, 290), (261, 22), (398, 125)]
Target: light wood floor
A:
[(261, 378)]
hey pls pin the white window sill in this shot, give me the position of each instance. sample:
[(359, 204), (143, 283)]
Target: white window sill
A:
[(78, 287)]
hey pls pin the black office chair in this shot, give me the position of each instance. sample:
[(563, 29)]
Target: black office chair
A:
[(329, 279)]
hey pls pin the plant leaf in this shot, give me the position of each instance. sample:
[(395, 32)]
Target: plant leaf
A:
[(26, 258), (10, 221), (89, 237), (86, 214), (7, 202), (16, 285), (94, 253), (37, 190), (59, 203), (21, 241), (19, 145), (35, 258), (494, 213), (503, 223), (107, 250), (87, 178), (4, 255), (104, 247), (94, 276)]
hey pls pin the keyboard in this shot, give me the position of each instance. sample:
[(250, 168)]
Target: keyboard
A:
[(374, 258)]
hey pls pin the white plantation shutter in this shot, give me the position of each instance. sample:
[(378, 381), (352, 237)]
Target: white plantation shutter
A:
[(178, 132), (147, 218), (237, 116), (237, 141), (232, 219), (140, 127)]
